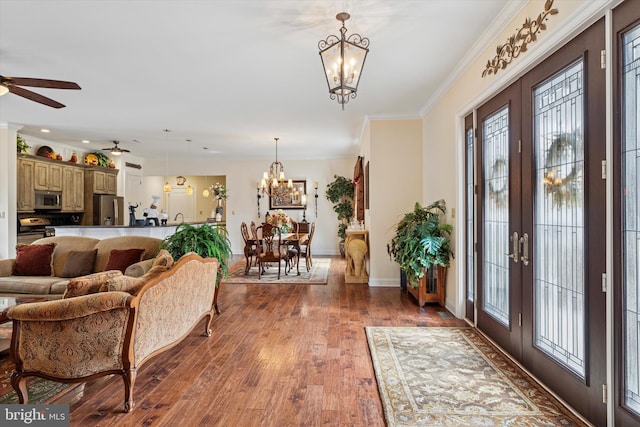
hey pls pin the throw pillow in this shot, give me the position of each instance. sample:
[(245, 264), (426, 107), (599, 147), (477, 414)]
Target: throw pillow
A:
[(120, 259), (34, 260), (133, 284), (163, 258), (79, 263), (89, 284)]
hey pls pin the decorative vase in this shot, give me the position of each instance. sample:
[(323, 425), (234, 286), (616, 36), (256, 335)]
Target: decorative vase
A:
[(219, 210)]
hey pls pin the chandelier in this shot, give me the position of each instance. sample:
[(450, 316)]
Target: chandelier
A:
[(274, 183), (343, 59)]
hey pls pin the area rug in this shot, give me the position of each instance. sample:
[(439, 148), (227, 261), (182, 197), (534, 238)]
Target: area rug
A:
[(453, 377), (40, 390), (318, 275)]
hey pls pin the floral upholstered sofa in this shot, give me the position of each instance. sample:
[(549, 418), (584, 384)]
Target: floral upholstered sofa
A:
[(72, 256), (113, 331)]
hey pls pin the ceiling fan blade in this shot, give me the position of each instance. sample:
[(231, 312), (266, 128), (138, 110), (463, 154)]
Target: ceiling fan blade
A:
[(34, 96), (51, 84)]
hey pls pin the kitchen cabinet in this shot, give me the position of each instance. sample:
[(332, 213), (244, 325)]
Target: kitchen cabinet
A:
[(101, 182), (47, 176), (72, 189), (25, 196), (97, 180)]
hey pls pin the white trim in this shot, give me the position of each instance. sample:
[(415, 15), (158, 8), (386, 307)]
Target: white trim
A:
[(386, 283)]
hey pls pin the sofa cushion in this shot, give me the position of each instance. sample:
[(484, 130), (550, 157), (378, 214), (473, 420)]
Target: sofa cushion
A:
[(59, 287), (104, 246), (133, 285), (79, 263), (34, 260), (37, 285), (89, 284), (120, 259), (64, 245)]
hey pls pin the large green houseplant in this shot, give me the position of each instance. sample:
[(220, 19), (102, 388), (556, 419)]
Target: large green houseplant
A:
[(340, 193), (206, 240), (422, 241)]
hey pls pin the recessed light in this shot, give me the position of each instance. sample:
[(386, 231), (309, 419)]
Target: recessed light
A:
[(188, 140), (85, 141), (45, 130)]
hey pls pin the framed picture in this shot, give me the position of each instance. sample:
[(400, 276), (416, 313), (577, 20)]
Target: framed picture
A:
[(282, 198), (366, 186)]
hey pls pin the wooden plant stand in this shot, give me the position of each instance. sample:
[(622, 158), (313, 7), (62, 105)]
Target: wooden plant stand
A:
[(420, 293)]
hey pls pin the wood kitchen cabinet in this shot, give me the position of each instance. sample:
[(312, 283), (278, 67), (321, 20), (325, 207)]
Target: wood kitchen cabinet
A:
[(25, 195), (47, 176), (72, 189), (101, 182)]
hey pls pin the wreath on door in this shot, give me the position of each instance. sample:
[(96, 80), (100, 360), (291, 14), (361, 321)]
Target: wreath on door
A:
[(563, 171)]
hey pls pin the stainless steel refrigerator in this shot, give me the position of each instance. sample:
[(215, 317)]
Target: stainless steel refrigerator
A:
[(108, 210)]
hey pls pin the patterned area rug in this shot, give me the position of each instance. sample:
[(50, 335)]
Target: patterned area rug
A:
[(40, 390), (454, 377), (317, 276)]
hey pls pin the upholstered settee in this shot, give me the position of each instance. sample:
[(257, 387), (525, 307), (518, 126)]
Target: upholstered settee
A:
[(113, 332), (75, 247)]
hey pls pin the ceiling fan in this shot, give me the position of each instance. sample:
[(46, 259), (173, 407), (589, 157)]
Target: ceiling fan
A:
[(115, 150), (12, 84)]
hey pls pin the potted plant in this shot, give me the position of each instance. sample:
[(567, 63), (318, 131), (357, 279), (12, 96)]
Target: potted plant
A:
[(422, 242), (340, 193), (205, 240), (22, 146)]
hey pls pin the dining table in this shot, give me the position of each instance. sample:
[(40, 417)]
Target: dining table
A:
[(287, 239)]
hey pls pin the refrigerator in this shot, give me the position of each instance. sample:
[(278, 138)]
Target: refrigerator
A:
[(108, 209)]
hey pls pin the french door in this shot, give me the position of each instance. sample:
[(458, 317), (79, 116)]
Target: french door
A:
[(626, 23), (541, 222)]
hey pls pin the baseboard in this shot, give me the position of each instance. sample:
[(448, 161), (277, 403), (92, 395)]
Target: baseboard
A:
[(387, 283)]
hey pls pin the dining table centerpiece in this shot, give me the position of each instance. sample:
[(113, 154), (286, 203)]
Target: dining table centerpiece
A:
[(280, 220)]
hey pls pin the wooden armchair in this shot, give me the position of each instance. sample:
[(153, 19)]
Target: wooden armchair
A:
[(272, 249), (250, 246)]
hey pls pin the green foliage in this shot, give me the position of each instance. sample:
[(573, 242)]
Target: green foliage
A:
[(205, 240), (340, 193), (421, 241), (22, 146)]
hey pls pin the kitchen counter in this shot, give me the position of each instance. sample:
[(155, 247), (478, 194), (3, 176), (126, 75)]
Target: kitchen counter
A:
[(105, 231)]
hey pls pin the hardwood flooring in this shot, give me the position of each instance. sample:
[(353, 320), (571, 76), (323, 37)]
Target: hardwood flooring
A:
[(280, 355)]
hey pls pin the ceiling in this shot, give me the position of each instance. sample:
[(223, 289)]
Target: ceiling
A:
[(226, 76)]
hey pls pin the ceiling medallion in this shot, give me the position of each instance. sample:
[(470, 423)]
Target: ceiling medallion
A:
[(518, 42), (342, 60)]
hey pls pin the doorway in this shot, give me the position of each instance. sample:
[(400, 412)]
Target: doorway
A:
[(541, 215)]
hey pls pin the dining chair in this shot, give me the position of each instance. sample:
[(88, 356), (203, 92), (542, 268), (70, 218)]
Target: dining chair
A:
[(305, 247), (254, 231), (250, 246), (272, 249)]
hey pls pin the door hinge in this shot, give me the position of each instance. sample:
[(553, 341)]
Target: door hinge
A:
[(475, 189), (604, 393), (603, 59), (519, 146), (519, 319), (604, 282), (475, 133), (604, 169)]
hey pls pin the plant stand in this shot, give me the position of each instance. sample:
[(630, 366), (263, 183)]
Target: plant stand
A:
[(424, 293)]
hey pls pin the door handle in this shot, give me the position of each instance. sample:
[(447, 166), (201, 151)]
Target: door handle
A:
[(515, 244), (524, 240)]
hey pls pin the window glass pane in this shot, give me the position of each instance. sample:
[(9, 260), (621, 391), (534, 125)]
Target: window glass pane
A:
[(631, 214), (495, 225), (558, 240)]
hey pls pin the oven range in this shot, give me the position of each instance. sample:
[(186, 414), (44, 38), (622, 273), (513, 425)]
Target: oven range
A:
[(32, 229)]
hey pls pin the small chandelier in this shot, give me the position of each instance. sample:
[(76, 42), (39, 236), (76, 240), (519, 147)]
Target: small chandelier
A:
[(343, 59), (274, 182)]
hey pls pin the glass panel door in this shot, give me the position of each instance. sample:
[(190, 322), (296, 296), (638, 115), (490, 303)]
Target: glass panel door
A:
[(495, 131), (559, 295), (469, 219), (631, 216)]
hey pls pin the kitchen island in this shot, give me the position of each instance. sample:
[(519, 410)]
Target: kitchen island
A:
[(105, 231)]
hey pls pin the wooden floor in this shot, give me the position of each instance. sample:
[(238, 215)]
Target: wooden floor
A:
[(280, 355)]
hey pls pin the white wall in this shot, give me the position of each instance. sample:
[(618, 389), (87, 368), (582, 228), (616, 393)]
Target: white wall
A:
[(242, 176)]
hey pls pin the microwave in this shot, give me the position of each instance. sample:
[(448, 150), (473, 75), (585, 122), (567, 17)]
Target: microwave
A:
[(48, 200)]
